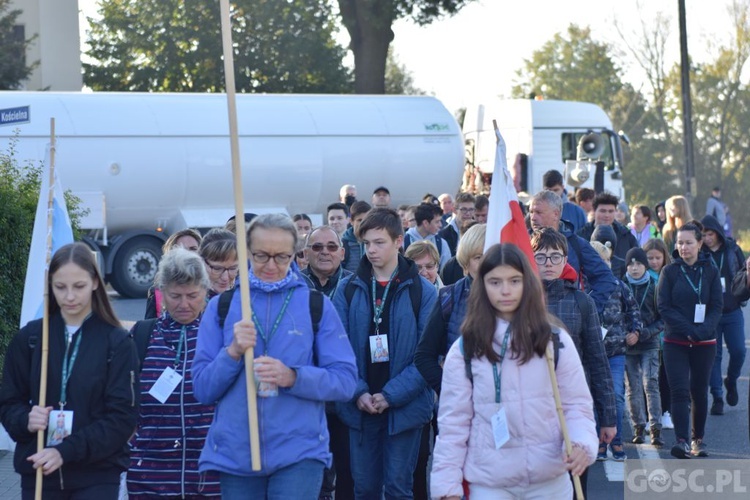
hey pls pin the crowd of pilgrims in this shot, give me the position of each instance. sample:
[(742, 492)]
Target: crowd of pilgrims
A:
[(379, 338)]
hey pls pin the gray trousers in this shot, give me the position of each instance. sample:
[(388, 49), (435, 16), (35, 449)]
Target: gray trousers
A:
[(642, 371)]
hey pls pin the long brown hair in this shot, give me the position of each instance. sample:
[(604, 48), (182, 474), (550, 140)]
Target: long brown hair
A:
[(82, 256), (531, 325)]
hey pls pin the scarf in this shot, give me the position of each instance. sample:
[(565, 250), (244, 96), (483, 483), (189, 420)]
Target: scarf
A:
[(291, 277), (640, 281)]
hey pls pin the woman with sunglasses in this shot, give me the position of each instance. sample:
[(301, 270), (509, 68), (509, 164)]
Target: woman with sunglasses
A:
[(219, 252)]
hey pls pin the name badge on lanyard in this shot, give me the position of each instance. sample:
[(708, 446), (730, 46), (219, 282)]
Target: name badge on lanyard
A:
[(59, 427), (723, 285), (165, 385), (500, 432), (700, 313)]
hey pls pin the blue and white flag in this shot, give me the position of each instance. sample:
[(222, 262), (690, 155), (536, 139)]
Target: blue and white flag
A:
[(62, 234)]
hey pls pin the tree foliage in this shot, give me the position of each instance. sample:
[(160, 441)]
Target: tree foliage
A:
[(13, 67), (175, 45), (398, 79), (369, 25)]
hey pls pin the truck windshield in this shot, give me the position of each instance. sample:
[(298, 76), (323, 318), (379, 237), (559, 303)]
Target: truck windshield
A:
[(570, 146)]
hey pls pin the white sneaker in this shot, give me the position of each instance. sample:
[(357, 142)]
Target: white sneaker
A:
[(666, 421)]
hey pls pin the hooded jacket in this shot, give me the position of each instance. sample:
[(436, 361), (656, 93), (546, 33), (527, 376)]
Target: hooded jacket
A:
[(676, 300), (465, 448), (102, 391), (625, 240), (729, 259), (620, 317), (444, 251), (652, 324), (585, 330), (292, 424), (409, 398), (353, 251)]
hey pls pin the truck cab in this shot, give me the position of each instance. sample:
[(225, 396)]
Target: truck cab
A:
[(543, 135)]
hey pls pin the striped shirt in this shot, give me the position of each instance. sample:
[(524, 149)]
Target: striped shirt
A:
[(170, 436)]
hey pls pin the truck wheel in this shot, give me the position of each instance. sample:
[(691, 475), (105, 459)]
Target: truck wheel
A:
[(135, 267)]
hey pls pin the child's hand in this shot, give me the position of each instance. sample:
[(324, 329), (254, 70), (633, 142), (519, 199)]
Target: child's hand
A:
[(631, 338)]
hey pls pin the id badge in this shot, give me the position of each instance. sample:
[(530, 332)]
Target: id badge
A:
[(379, 348), (59, 427), (700, 313), (500, 431), (165, 384), (723, 285)]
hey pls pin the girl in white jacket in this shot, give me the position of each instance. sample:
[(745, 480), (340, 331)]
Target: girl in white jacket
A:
[(499, 429)]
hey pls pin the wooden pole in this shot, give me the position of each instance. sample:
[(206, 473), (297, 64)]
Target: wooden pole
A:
[(45, 318), (561, 417), (252, 401)]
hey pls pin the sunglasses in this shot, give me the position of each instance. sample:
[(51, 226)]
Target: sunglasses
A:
[(318, 247)]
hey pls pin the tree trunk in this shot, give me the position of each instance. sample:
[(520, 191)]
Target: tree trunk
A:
[(369, 25)]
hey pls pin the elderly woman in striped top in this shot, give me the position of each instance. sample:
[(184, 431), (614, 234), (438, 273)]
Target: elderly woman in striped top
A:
[(172, 425)]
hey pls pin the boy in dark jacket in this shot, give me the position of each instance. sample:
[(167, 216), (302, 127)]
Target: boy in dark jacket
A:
[(578, 313), (384, 308), (642, 353), (728, 259)]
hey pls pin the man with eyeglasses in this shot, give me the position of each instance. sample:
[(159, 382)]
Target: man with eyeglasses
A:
[(428, 226), (578, 312), (464, 209), (324, 255)]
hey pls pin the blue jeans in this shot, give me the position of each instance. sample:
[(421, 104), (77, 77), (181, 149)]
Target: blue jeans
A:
[(732, 329), (380, 459), (617, 367), (300, 481)]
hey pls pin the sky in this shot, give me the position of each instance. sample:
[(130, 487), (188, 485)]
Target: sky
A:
[(475, 54)]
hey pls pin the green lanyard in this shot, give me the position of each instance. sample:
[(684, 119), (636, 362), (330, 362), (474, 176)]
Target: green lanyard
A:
[(67, 365), (378, 309), (276, 322), (179, 346), (495, 371), (643, 299), (721, 262), (696, 289)]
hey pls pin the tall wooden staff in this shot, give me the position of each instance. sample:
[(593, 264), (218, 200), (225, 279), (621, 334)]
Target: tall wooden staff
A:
[(45, 318), (561, 417), (252, 402)]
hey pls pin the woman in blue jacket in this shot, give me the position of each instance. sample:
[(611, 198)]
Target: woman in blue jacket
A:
[(690, 301), (297, 370)]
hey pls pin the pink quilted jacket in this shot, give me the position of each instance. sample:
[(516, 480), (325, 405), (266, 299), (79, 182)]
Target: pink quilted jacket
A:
[(465, 446)]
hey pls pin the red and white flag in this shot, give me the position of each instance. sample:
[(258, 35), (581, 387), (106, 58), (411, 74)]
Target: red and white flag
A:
[(505, 221)]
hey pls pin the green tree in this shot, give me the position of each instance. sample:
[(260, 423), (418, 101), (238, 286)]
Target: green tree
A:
[(175, 45), (19, 194), (398, 79), (574, 67), (13, 67), (369, 25)]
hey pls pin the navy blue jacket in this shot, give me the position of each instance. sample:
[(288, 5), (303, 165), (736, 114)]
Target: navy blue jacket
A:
[(728, 257), (409, 398)]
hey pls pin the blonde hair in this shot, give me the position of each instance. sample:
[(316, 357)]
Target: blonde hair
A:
[(470, 244), (420, 248), (603, 250), (680, 206)]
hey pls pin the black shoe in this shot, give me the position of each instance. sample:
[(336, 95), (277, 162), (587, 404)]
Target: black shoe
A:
[(638, 435), (681, 449), (698, 448), (732, 397), (656, 439), (718, 407)]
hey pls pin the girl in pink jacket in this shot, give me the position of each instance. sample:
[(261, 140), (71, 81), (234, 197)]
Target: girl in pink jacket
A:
[(499, 429)]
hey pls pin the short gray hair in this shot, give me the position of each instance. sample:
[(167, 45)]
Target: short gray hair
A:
[(551, 198), (321, 228), (180, 266), (273, 221)]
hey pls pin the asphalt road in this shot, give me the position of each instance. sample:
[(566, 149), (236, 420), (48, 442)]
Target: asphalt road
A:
[(726, 435)]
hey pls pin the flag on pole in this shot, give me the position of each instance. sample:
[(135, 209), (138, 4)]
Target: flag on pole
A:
[(62, 234), (505, 221)]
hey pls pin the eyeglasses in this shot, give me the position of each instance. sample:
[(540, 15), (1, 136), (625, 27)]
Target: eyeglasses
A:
[(219, 270), (426, 267), (300, 254), (555, 258), (318, 247), (465, 210), (280, 258)]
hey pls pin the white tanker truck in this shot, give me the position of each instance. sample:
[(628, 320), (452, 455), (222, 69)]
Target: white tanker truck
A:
[(146, 165)]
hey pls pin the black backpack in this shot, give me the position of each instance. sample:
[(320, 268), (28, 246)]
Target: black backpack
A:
[(142, 329)]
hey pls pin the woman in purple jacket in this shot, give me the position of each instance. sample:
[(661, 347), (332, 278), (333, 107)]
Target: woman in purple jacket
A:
[(298, 368)]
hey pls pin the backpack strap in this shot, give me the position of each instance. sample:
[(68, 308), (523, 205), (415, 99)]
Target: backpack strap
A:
[(142, 334), (225, 300), (415, 293), (467, 360), (316, 309), (439, 245), (407, 240), (556, 344)]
